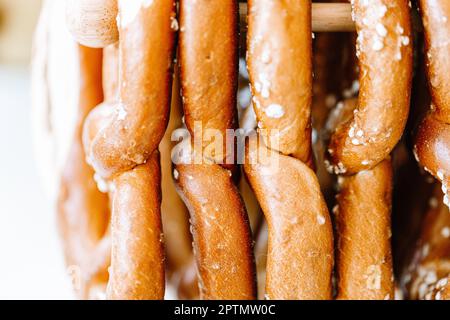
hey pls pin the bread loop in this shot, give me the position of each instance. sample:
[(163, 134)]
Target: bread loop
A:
[(208, 64), (363, 133), (384, 43), (133, 177), (134, 130), (279, 59)]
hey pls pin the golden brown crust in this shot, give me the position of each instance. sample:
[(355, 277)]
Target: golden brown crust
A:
[(429, 269), (435, 17), (384, 43), (83, 211), (137, 255), (222, 237), (93, 22), (140, 120), (280, 59), (363, 217), (300, 231), (137, 258), (432, 148), (209, 67)]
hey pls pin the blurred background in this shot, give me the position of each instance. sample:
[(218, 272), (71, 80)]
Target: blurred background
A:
[(31, 263)]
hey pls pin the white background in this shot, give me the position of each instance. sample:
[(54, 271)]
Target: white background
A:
[(31, 263)]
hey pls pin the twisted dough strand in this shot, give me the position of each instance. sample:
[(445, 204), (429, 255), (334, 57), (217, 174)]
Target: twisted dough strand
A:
[(220, 227), (279, 59), (365, 130), (145, 57)]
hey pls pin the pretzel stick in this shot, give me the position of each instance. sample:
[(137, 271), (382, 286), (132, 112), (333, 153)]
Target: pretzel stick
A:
[(222, 237)]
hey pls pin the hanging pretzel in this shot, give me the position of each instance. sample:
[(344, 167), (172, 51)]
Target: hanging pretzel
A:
[(222, 238), (384, 43), (432, 148), (93, 22), (137, 258), (279, 59), (134, 131), (364, 132)]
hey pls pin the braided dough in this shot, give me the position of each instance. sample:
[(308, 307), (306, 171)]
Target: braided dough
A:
[(279, 59), (364, 132), (220, 227), (298, 221), (137, 255)]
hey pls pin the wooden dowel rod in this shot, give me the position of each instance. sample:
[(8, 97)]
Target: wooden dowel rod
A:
[(326, 17)]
